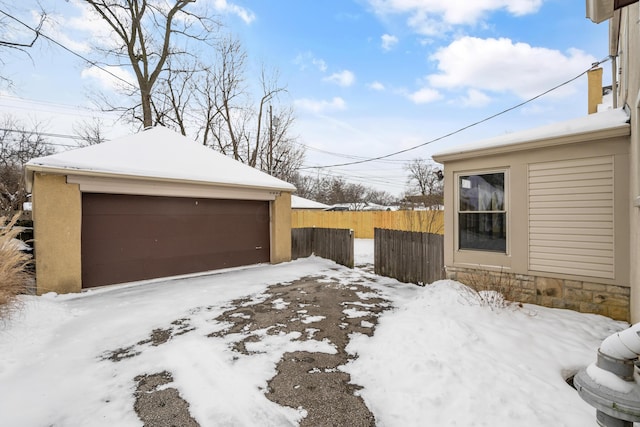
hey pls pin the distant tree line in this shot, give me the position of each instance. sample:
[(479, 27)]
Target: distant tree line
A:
[(19, 143), (424, 189), (333, 190)]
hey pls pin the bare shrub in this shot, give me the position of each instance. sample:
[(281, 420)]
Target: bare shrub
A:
[(14, 273), (493, 289)]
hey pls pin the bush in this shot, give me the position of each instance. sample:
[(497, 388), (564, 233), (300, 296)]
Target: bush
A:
[(14, 266), (490, 289)]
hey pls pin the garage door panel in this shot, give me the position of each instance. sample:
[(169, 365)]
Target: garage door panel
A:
[(127, 238), (156, 268)]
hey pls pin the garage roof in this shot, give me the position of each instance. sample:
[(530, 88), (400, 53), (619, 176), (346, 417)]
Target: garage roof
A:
[(157, 153), (606, 124), (298, 202)]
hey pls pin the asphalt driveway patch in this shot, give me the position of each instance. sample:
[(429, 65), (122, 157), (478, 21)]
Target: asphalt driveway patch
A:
[(161, 406), (322, 310), (311, 308)]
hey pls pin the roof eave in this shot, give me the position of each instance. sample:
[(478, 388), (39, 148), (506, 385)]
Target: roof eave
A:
[(30, 169), (621, 130)]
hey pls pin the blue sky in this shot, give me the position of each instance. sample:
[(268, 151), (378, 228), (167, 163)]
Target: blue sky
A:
[(366, 77)]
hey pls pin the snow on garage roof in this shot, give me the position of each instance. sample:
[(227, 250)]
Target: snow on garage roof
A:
[(157, 153), (609, 120), (298, 202)]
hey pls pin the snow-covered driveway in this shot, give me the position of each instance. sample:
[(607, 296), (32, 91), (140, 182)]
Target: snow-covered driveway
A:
[(437, 358)]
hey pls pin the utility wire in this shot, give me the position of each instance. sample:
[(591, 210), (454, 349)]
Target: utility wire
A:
[(52, 135), (47, 106), (95, 64), (465, 127), (366, 160)]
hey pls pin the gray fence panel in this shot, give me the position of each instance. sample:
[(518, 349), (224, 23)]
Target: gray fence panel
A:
[(334, 244), (409, 257)]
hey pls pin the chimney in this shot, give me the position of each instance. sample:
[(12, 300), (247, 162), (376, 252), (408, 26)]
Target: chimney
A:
[(595, 89)]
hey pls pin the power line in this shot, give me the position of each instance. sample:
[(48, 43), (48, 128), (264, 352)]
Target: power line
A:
[(357, 159), (396, 182), (465, 127), (51, 107), (52, 135), (349, 156), (95, 64)]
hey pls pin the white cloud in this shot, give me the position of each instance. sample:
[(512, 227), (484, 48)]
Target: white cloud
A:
[(428, 25), (475, 98), (315, 106), (306, 59), (115, 78), (320, 64), (61, 28), (425, 96), (428, 16), (344, 78), (376, 86), (388, 42), (225, 7), (500, 65)]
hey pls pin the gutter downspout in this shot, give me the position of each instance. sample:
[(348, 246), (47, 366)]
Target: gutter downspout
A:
[(610, 384), (614, 80)]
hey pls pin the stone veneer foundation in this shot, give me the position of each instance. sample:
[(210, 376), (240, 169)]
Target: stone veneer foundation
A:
[(586, 297)]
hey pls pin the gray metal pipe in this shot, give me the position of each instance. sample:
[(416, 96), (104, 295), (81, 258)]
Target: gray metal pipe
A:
[(623, 345), (610, 384)]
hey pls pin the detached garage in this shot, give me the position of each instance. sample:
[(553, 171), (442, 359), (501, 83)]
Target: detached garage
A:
[(154, 204)]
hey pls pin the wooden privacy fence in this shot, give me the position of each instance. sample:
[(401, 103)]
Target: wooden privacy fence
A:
[(364, 222), (333, 244), (409, 257)]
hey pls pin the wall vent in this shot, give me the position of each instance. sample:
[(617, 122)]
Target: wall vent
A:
[(599, 10)]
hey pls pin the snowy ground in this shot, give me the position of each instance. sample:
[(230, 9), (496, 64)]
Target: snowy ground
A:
[(437, 359)]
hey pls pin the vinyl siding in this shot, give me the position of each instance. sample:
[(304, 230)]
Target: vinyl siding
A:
[(571, 227)]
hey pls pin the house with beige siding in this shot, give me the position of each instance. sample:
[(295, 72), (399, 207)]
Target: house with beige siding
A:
[(556, 210)]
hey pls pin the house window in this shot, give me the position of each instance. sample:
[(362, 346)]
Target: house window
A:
[(482, 215)]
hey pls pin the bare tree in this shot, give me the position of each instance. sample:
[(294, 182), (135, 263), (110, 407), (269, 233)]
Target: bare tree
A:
[(211, 98), (424, 182), (229, 98), (218, 102), (305, 185), (19, 143), (268, 139), (280, 154), (16, 35), (90, 132), (176, 89), (27, 36), (146, 31), (380, 197), (205, 92)]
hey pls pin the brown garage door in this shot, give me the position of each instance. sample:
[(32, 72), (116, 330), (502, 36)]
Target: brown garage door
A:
[(127, 238)]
